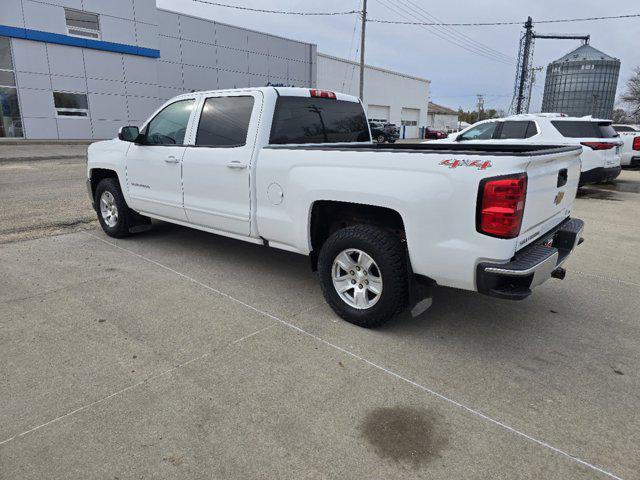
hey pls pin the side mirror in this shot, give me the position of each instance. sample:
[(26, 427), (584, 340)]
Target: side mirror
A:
[(128, 134)]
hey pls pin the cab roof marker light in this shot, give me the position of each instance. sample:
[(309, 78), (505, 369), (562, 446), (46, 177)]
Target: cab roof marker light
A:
[(322, 94)]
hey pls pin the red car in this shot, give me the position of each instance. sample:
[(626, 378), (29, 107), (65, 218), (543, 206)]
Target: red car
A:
[(431, 134)]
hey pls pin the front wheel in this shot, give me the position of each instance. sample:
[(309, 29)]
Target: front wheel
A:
[(363, 274), (113, 213), (380, 139)]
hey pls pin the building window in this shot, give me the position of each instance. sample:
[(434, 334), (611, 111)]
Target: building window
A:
[(10, 121), (409, 123), (82, 24), (70, 104)]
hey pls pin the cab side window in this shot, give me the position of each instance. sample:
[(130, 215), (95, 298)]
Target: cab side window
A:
[(483, 131), (518, 130), (170, 125), (224, 122)]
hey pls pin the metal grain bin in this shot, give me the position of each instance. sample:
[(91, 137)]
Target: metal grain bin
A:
[(583, 82)]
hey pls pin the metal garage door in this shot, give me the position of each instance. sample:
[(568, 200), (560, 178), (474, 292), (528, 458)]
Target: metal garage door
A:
[(410, 119), (378, 113)]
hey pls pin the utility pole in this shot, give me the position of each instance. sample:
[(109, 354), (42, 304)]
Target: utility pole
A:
[(362, 42), (531, 82), (524, 73), (480, 105)]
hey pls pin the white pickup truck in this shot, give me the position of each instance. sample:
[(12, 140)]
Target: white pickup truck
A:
[(296, 169), (630, 152)]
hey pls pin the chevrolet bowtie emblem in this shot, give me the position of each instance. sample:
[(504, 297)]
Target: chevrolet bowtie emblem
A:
[(558, 198)]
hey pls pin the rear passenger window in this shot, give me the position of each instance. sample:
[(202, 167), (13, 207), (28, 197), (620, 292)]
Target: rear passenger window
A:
[(585, 129), (224, 122), (518, 130)]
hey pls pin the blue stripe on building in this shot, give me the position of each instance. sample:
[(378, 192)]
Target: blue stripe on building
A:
[(40, 36)]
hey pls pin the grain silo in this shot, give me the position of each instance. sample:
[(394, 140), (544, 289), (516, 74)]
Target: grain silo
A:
[(583, 82)]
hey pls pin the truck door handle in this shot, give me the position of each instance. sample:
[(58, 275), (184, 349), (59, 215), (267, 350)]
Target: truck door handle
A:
[(171, 159), (236, 164)]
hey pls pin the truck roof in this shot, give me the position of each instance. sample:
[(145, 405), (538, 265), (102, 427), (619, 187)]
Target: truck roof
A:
[(283, 91)]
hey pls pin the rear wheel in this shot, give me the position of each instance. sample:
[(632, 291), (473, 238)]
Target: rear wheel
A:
[(363, 274)]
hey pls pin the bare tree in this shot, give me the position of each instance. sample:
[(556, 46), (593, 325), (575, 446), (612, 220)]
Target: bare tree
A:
[(619, 115), (631, 96)]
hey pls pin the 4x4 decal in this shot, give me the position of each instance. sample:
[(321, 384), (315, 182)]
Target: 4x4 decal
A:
[(453, 163)]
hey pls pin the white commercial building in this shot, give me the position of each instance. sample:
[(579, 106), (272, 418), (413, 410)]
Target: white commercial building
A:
[(80, 69), (388, 96), (442, 118)]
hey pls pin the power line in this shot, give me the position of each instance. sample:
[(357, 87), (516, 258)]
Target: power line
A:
[(488, 24), (462, 36), (280, 12), (444, 35), (353, 36)]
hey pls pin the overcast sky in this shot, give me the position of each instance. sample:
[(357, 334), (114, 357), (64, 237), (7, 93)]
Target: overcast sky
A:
[(456, 73)]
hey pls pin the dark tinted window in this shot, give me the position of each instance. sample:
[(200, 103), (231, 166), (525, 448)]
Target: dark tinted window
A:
[(82, 24), (518, 130), (71, 104), (224, 122), (624, 128), (578, 129), (318, 120), (484, 131), (70, 100), (170, 125)]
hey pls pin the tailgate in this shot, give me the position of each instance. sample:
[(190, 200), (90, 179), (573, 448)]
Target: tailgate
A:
[(552, 183)]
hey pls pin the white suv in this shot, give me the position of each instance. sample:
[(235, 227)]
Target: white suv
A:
[(601, 143), (630, 135)]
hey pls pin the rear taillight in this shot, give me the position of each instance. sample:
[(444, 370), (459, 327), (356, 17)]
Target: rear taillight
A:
[(636, 143), (323, 94), (501, 205), (599, 145)]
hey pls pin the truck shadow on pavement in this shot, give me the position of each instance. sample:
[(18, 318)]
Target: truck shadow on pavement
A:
[(277, 278)]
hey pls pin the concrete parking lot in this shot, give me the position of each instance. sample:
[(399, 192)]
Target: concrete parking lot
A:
[(180, 354)]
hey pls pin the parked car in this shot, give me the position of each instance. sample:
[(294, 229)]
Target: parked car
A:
[(296, 169), (384, 132), (601, 143), (432, 134), (630, 135)]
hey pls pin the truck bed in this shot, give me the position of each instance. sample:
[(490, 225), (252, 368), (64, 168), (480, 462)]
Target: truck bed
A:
[(475, 149)]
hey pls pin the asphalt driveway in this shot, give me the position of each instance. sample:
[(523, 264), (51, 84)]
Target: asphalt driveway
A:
[(179, 354)]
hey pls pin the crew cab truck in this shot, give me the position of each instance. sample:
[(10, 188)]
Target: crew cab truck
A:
[(296, 169)]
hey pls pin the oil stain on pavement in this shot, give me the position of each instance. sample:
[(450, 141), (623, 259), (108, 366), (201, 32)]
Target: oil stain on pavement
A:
[(404, 434)]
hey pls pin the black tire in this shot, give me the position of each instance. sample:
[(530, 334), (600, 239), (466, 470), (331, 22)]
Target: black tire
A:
[(125, 214), (389, 254), (380, 139)]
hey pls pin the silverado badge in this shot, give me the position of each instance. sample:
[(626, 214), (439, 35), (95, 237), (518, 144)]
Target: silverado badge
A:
[(558, 198)]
